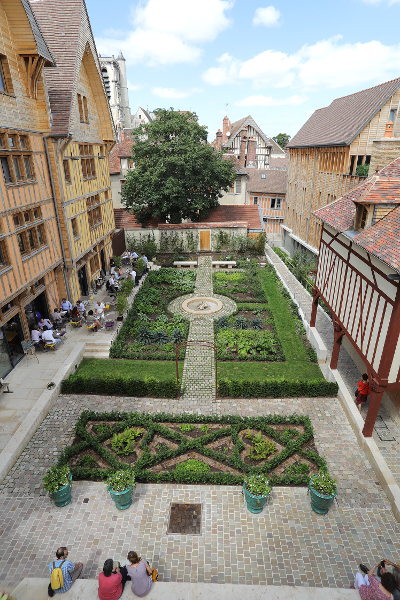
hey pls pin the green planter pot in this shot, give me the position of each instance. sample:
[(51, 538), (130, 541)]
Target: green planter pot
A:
[(320, 503), (255, 504), (62, 497), (123, 499)]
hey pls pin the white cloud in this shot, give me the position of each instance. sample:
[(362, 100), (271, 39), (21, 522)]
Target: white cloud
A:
[(172, 93), (268, 16), (170, 32), (134, 88), (269, 101), (327, 64)]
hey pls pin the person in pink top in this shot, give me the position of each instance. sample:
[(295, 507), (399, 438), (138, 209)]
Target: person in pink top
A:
[(112, 580), (371, 589)]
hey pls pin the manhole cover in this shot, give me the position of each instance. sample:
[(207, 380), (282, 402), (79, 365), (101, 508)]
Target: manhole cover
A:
[(185, 519)]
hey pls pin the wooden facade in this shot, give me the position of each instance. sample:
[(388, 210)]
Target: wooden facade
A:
[(319, 173), (30, 248), (272, 209)]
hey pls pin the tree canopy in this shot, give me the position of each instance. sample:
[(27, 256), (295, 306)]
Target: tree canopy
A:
[(281, 139), (176, 174)]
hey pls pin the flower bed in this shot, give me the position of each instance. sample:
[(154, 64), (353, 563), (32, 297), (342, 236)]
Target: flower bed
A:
[(194, 449), (149, 331)]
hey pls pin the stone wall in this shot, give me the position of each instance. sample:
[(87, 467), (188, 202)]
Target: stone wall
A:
[(384, 150)]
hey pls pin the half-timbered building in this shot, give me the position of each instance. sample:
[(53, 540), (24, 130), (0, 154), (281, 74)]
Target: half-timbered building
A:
[(245, 140), (82, 135), (358, 279), (30, 249), (325, 153), (267, 189)]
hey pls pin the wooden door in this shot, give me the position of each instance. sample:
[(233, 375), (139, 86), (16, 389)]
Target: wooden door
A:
[(205, 240)]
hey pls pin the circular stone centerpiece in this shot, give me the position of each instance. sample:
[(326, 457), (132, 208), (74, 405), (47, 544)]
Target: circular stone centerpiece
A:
[(202, 305)]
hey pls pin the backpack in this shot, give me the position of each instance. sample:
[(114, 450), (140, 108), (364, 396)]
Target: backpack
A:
[(57, 579)]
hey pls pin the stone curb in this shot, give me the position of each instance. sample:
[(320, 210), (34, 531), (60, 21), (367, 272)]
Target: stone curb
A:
[(36, 415), (368, 445), (36, 588)]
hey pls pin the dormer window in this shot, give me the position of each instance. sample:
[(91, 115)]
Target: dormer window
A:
[(364, 216), (263, 176)]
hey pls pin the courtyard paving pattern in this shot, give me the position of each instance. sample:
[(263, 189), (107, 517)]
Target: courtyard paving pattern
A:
[(286, 544)]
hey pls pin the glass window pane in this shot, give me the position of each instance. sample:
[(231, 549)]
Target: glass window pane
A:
[(31, 239), (27, 217), (40, 235), (11, 141), (6, 170), (22, 142), (36, 214), (1, 142), (16, 168), (16, 220), (21, 243), (27, 167), (2, 82), (3, 260)]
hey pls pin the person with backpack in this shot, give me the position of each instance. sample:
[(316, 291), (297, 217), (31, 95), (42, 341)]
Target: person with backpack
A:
[(63, 572)]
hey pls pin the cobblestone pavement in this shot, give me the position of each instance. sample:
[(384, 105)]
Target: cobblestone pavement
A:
[(286, 544), (386, 431)]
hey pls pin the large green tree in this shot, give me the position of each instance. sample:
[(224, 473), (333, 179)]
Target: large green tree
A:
[(281, 139), (176, 174)]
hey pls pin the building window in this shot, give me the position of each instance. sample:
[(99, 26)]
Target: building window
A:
[(363, 218), (263, 176), (87, 161), (17, 220), (238, 186), (75, 230), (21, 243), (41, 235), (6, 169), (37, 214), (27, 217), (94, 211), (3, 255), (392, 114), (31, 239), (2, 81), (276, 203), (17, 168), (1, 141), (67, 172), (27, 165), (22, 142), (255, 200), (83, 109), (352, 161), (11, 141), (5, 76)]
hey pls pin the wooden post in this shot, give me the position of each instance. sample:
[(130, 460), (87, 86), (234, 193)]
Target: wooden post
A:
[(314, 307), (338, 333), (376, 393)]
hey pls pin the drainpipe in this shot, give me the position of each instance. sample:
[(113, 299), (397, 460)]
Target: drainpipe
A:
[(57, 213)]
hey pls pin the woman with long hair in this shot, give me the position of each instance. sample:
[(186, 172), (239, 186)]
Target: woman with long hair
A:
[(139, 571)]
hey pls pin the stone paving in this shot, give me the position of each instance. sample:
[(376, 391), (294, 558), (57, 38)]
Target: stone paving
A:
[(386, 432), (287, 544), (235, 546)]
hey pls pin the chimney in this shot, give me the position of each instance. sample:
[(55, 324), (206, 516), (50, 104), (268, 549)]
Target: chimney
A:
[(251, 153), (122, 135), (243, 144), (225, 128), (389, 130), (218, 140)]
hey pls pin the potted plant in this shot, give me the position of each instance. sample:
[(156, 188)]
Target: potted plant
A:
[(256, 491), (141, 266), (58, 482), (120, 485), (121, 305), (323, 489)]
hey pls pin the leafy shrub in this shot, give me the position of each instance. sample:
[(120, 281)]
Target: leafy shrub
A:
[(257, 485), (56, 477), (324, 483), (204, 428), (299, 469), (275, 388), (145, 336), (120, 386), (191, 466), (240, 323), (187, 427), (87, 461), (121, 480), (160, 337), (123, 443), (262, 447), (177, 336)]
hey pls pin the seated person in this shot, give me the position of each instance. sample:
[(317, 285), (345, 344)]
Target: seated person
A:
[(75, 316), (91, 320), (112, 580), (134, 255), (111, 283), (56, 317), (45, 323), (99, 310), (36, 336), (47, 337), (81, 307), (66, 306)]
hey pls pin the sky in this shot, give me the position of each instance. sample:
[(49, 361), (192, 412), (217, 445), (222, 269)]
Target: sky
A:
[(276, 62)]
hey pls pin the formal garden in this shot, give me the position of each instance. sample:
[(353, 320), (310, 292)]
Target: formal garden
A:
[(191, 448)]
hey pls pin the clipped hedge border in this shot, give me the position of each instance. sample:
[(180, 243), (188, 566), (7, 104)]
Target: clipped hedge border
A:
[(153, 424), (275, 388), (119, 386)]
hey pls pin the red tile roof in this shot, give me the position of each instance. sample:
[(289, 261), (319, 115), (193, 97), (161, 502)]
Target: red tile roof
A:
[(239, 169), (382, 238), (236, 212), (340, 122), (125, 220), (274, 183), (121, 150)]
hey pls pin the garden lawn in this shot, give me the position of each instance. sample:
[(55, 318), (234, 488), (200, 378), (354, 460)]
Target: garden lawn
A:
[(162, 370), (296, 369)]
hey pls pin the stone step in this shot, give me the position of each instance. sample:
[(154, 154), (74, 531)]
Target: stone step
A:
[(86, 589), (96, 354)]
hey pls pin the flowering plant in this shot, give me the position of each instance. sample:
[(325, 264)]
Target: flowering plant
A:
[(324, 483), (56, 478), (258, 485), (121, 480)]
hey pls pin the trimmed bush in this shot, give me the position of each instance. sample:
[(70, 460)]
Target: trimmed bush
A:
[(275, 388), (119, 386)]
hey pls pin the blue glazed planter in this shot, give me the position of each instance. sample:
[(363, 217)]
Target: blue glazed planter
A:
[(62, 497), (255, 504), (123, 499), (320, 503)]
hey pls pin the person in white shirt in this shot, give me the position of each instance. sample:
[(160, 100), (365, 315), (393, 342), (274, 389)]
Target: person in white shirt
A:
[(134, 255), (99, 310), (66, 305), (36, 336), (47, 336), (111, 283), (81, 307)]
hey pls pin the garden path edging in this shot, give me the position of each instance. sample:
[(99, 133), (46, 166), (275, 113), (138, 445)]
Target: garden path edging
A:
[(37, 414)]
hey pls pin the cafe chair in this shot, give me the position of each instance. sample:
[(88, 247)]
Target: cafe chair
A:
[(50, 346), (77, 323), (91, 327), (109, 324)]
